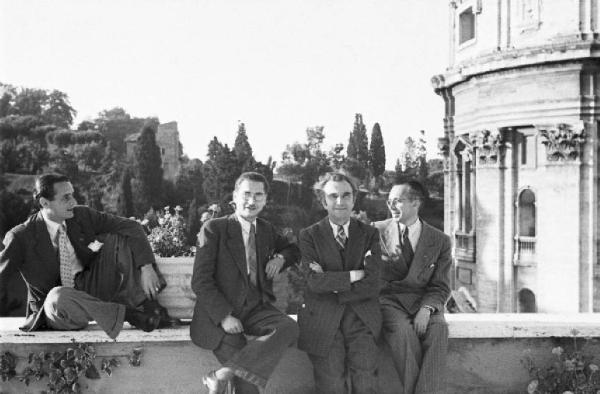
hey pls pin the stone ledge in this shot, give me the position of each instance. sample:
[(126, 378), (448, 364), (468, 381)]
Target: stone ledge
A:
[(467, 325), (484, 355)]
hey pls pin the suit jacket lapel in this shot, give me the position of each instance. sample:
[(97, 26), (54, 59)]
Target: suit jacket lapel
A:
[(353, 254), (43, 244), (334, 259), (424, 246), (235, 244)]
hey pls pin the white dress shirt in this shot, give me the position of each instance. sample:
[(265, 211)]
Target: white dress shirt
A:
[(53, 227), (414, 233)]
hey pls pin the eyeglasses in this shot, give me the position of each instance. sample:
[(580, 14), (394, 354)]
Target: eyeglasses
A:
[(398, 200), (257, 196)]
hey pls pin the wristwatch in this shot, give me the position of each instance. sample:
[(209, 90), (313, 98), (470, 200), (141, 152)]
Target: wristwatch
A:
[(429, 308), (280, 256)]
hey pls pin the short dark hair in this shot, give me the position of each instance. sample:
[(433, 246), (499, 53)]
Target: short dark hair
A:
[(254, 177), (44, 185), (416, 190), (334, 177)]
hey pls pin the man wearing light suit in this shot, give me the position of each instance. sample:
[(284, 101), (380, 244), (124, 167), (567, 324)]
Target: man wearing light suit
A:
[(236, 260), (415, 273), (340, 321)]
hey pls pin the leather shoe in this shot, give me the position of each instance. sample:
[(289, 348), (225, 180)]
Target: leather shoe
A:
[(166, 321), (144, 321), (214, 385)]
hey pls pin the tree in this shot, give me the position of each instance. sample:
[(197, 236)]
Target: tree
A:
[(57, 109), (358, 144), (125, 201), (421, 153), (377, 152), (148, 171), (242, 148), (220, 172)]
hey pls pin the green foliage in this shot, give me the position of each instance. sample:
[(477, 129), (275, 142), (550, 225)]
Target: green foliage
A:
[(358, 143), (220, 172), (63, 369), (377, 152), (169, 238), (148, 171), (570, 372), (242, 148)]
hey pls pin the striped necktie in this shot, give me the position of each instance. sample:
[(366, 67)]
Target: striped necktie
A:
[(251, 254), (341, 237), (66, 258)]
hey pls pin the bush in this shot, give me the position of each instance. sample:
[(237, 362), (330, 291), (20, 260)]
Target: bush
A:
[(570, 372), (168, 239)]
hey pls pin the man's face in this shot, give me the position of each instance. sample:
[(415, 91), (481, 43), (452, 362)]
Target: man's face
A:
[(401, 206), (338, 201), (61, 206), (249, 198)]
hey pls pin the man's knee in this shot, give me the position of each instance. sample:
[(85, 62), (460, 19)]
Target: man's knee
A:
[(59, 297)]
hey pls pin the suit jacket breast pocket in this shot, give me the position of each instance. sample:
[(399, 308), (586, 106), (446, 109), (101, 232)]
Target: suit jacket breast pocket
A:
[(426, 272)]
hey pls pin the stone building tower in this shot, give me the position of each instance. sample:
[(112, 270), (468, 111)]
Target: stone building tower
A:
[(167, 139), (520, 149)]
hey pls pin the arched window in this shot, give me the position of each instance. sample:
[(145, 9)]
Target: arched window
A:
[(526, 213), (527, 301)]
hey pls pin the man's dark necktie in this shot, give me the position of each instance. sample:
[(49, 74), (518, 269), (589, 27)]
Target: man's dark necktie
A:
[(251, 254), (407, 250)]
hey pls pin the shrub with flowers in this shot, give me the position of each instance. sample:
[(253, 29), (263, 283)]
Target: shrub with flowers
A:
[(569, 373), (168, 239)]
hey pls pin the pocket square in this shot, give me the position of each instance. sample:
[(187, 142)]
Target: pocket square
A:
[(95, 246)]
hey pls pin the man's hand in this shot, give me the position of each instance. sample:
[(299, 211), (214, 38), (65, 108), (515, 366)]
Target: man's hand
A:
[(421, 321), (149, 281), (356, 275), (274, 266), (232, 325), (315, 267)]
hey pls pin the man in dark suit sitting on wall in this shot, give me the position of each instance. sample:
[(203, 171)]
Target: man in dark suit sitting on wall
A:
[(236, 260), (72, 277)]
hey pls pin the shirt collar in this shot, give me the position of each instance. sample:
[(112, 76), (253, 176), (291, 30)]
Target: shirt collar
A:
[(413, 228), (52, 226), (246, 224), (334, 227)]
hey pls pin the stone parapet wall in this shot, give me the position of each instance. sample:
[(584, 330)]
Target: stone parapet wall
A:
[(484, 356)]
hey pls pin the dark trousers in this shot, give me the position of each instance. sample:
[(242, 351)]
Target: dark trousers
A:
[(101, 292), (254, 360), (355, 347), (420, 362)]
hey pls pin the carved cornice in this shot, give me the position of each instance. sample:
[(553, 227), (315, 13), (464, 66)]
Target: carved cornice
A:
[(489, 146), (563, 141)]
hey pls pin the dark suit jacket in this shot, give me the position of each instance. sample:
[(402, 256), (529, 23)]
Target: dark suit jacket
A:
[(427, 280), (28, 249), (220, 278), (329, 293)]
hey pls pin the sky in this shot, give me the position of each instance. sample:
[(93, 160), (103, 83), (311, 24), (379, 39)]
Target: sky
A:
[(279, 66)]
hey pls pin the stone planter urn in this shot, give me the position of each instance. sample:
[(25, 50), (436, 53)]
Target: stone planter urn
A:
[(177, 297)]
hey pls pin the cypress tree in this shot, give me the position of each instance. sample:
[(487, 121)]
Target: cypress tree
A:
[(242, 148), (148, 165), (377, 152)]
